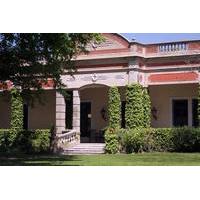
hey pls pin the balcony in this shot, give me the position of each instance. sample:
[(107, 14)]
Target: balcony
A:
[(173, 49)]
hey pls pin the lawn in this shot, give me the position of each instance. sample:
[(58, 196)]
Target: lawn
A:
[(144, 159)]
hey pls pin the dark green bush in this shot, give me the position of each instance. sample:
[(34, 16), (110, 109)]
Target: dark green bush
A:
[(111, 141), (37, 141), (186, 139), (41, 140), (114, 108), (132, 140), (161, 139), (4, 142)]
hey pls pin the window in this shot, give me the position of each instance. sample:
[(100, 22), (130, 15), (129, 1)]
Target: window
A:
[(25, 119), (194, 112), (180, 112)]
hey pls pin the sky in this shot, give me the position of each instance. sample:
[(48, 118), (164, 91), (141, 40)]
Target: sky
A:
[(161, 37)]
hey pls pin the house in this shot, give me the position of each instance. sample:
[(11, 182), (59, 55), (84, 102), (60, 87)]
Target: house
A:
[(170, 71)]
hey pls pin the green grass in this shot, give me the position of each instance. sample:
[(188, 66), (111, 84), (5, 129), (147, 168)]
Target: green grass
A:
[(144, 159)]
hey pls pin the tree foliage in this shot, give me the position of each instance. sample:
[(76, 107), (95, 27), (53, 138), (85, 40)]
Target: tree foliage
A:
[(114, 108), (28, 60)]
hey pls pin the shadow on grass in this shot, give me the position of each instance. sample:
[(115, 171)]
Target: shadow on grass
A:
[(38, 160)]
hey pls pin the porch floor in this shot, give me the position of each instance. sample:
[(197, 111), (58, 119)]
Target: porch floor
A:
[(85, 148)]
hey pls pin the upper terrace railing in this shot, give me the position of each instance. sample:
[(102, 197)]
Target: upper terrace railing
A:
[(148, 50), (171, 47)]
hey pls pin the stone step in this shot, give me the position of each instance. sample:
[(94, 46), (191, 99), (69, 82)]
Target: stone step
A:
[(85, 148)]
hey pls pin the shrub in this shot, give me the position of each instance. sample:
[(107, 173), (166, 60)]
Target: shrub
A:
[(132, 141), (4, 143), (114, 108), (41, 141), (186, 139), (111, 141), (161, 139), (134, 109), (37, 141), (136, 140), (146, 109)]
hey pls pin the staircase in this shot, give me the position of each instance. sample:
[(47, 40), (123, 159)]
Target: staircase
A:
[(85, 148)]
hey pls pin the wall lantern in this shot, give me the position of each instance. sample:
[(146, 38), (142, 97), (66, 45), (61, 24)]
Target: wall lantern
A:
[(103, 114), (154, 113)]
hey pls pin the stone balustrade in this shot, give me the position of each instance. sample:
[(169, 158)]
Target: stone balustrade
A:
[(171, 47), (67, 138)]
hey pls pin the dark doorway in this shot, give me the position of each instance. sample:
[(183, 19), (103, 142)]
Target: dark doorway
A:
[(123, 120), (195, 120), (69, 110), (25, 118), (85, 121), (180, 112)]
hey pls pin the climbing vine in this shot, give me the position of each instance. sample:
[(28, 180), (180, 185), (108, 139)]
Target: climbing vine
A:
[(134, 111), (16, 123), (198, 109), (114, 108), (146, 109)]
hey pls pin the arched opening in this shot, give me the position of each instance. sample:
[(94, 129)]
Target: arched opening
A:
[(93, 112)]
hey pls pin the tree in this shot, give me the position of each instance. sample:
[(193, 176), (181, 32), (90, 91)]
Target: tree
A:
[(114, 107), (29, 60)]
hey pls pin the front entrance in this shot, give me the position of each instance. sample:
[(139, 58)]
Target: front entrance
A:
[(85, 125)]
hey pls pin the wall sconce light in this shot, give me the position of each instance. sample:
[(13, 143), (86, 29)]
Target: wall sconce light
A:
[(154, 113), (103, 114)]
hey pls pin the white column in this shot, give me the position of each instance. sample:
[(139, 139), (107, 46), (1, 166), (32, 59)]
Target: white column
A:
[(60, 113), (76, 110)]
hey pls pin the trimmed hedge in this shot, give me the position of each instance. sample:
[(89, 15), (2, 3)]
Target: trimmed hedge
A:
[(111, 141), (182, 139), (4, 141), (134, 111), (37, 141), (114, 107)]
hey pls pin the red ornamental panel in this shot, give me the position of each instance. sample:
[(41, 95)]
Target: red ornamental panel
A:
[(173, 77)]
